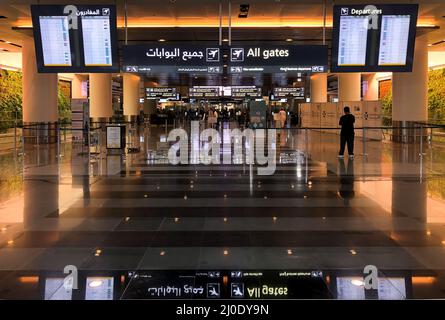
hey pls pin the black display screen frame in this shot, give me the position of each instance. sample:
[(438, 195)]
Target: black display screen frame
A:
[(76, 40), (373, 40)]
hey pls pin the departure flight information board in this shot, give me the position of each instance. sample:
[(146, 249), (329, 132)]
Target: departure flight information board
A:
[(353, 40), (373, 38), (75, 38), (55, 41), (97, 41), (394, 40)]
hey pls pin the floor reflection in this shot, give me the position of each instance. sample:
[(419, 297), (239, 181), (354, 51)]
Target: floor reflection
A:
[(136, 227)]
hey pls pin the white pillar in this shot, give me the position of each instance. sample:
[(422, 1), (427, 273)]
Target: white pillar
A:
[(319, 87), (131, 94), (79, 86), (101, 102), (349, 87), (371, 87), (410, 89), (39, 89)]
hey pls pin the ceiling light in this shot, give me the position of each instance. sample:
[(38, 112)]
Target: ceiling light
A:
[(226, 252), (95, 283), (162, 253), (289, 39), (161, 40), (357, 282), (353, 252), (289, 252), (225, 40)]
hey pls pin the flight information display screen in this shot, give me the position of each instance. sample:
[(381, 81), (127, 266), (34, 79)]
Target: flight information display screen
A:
[(373, 38), (75, 38), (353, 40), (97, 41), (394, 36), (55, 41)]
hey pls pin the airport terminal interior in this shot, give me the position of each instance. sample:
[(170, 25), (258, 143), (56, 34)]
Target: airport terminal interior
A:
[(189, 149)]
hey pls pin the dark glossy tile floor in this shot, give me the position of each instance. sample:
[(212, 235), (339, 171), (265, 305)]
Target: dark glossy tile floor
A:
[(137, 227)]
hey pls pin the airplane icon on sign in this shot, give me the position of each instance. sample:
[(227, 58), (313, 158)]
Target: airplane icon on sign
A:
[(212, 54), (237, 54)]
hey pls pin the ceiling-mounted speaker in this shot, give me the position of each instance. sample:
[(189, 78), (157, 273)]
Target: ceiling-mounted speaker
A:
[(243, 10)]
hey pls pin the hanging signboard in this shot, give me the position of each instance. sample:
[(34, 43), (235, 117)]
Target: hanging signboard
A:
[(288, 92), (247, 92), (172, 59), (161, 93), (278, 59), (204, 92)]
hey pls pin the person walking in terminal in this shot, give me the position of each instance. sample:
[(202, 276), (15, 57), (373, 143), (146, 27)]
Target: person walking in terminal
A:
[(347, 133), (282, 116)]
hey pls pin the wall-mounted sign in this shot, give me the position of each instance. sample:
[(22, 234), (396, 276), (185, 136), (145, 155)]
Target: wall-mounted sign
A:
[(278, 59), (373, 38), (161, 93), (288, 92), (179, 58)]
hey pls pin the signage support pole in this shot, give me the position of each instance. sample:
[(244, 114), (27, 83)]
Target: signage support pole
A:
[(324, 22), (230, 22), (220, 22), (126, 22)]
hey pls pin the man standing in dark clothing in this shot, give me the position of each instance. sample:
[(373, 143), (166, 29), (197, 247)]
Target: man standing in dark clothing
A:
[(347, 133)]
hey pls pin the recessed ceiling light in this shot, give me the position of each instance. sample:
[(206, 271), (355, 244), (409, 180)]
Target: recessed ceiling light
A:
[(161, 40), (95, 283), (357, 282), (225, 40), (289, 40)]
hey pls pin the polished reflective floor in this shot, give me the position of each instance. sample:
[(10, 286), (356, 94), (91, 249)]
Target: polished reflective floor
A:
[(136, 227)]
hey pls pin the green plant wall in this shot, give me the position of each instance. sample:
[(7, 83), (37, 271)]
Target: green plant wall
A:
[(11, 100), (436, 97)]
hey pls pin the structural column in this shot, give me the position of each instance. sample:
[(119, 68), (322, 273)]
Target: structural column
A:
[(410, 94), (131, 96), (39, 105), (349, 87), (371, 87), (101, 102), (319, 87)]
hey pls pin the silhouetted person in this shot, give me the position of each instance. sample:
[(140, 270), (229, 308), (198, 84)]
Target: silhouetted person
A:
[(347, 133)]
